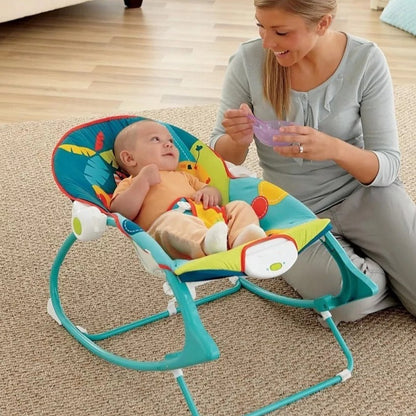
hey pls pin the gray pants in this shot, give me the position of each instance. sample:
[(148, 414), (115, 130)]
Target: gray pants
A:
[(377, 228)]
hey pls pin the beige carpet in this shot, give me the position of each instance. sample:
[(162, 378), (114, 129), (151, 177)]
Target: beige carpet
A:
[(267, 350)]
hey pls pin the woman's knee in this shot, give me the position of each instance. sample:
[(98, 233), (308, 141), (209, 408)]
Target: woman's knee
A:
[(316, 274), (406, 296), (383, 299)]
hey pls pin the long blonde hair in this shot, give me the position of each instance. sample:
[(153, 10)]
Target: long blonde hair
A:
[(276, 78)]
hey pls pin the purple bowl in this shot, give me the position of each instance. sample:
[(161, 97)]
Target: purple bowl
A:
[(265, 130)]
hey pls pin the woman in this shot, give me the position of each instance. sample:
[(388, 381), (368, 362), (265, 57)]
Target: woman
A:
[(342, 158)]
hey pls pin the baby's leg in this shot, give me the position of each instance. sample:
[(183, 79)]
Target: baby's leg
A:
[(243, 223), (249, 233), (216, 238), (180, 235)]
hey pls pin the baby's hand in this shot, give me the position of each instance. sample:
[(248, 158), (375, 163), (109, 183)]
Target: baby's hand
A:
[(150, 174), (209, 196)]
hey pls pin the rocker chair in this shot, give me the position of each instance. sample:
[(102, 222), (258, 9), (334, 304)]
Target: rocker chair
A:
[(85, 170)]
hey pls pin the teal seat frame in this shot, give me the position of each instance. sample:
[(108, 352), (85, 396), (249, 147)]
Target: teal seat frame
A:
[(199, 346)]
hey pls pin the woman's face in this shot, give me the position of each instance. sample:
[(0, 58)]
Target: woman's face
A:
[(286, 34)]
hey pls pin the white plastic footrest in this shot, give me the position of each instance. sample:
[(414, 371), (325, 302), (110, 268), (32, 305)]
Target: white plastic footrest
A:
[(269, 258)]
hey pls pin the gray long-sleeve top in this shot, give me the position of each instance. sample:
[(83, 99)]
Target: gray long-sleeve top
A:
[(355, 104)]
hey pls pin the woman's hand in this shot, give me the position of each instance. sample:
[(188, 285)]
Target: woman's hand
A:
[(306, 143), (209, 196), (311, 144), (238, 126), (233, 145)]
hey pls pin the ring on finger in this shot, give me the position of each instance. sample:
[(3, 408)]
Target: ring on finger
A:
[(301, 148)]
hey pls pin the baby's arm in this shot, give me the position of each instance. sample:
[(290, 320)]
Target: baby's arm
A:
[(208, 195), (129, 202)]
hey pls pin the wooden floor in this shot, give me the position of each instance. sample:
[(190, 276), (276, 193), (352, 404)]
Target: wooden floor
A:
[(100, 58)]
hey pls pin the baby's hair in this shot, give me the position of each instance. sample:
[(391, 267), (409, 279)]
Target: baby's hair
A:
[(125, 139)]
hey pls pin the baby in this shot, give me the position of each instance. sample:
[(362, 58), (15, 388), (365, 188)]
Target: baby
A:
[(145, 150)]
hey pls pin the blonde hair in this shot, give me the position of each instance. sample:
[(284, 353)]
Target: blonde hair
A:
[(276, 78)]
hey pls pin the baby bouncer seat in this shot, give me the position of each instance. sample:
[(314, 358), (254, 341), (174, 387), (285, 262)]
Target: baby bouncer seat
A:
[(85, 170)]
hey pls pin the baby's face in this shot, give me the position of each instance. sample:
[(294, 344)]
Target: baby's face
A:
[(155, 145)]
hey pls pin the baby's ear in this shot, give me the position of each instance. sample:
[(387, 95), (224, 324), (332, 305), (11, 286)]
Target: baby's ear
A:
[(126, 158)]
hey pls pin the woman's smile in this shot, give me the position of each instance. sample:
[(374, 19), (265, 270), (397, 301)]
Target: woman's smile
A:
[(280, 53)]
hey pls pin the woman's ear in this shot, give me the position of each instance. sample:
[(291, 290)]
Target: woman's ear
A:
[(324, 24)]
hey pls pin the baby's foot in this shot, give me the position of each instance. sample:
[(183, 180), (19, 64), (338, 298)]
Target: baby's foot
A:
[(249, 233), (216, 238)]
